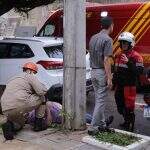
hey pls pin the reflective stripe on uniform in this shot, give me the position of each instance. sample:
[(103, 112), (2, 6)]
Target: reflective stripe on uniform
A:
[(121, 65), (139, 64)]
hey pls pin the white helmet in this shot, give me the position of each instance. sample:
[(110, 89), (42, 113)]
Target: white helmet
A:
[(127, 36)]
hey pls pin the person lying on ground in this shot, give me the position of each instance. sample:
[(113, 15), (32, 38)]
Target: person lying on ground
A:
[(52, 115)]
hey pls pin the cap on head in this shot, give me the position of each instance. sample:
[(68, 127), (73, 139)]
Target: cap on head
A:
[(127, 36), (31, 66), (106, 22)]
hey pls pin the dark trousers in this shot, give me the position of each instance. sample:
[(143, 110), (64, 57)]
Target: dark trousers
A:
[(125, 105), (120, 101)]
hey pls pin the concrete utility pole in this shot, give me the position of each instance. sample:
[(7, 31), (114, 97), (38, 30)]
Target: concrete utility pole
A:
[(74, 87)]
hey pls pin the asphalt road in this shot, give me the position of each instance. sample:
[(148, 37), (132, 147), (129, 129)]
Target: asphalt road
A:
[(142, 125)]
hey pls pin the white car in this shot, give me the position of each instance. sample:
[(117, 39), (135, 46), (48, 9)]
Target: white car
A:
[(44, 51)]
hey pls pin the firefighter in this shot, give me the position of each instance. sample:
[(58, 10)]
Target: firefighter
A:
[(23, 93), (128, 66)]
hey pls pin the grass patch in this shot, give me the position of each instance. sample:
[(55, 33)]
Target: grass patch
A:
[(116, 138)]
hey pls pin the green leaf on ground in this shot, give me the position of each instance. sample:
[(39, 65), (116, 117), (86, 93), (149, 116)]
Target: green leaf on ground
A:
[(55, 125), (116, 138)]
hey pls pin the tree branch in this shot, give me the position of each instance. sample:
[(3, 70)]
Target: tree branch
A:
[(22, 5)]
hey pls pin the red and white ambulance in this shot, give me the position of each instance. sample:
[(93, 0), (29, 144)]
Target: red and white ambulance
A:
[(131, 17)]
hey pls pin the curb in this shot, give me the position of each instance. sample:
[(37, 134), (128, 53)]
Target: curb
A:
[(140, 145)]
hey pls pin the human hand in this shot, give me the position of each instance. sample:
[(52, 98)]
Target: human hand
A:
[(109, 83), (124, 58)]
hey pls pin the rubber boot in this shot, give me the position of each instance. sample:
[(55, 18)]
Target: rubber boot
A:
[(8, 130), (40, 124)]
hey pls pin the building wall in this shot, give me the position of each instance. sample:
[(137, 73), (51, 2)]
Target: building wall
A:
[(36, 18)]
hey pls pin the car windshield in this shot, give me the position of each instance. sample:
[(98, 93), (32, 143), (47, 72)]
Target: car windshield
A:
[(54, 51)]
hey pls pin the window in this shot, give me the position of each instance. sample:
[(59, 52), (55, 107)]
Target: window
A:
[(54, 51), (47, 30), (20, 51), (15, 50), (3, 50)]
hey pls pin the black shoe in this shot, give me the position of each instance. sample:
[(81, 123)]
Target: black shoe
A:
[(106, 129), (93, 130), (127, 126), (122, 125), (129, 121), (8, 130), (109, 120), (39, 124)]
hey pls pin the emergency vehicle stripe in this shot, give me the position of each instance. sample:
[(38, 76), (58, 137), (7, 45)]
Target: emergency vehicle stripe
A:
[(143, 30), (139, 20), (146, 58), (129, 21), (132, 21), (140, 23), (138, 28), (116, 45)]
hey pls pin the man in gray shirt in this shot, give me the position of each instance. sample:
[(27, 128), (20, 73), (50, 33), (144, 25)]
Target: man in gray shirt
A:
[(100, 49)]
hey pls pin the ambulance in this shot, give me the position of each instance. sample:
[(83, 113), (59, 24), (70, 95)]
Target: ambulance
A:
[(131, 17)]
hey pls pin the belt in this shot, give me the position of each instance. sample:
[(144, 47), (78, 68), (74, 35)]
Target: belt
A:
[(97, 68)]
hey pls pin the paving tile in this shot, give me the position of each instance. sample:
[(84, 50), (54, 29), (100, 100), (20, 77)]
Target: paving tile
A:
[(27, 134), (57, 144), (66, 145), (58, 137), (86, 147), (20, 145), (43, 141), (78, 135)]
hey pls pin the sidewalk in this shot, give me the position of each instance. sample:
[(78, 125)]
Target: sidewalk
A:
[(51, 139)]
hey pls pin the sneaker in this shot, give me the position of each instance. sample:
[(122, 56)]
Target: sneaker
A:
[(109, 120), (7, 129)]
